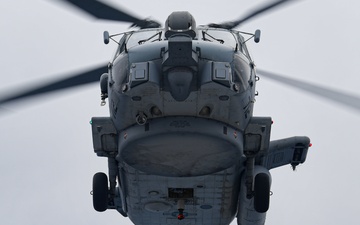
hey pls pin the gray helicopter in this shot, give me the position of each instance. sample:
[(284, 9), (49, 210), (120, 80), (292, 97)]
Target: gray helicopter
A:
[(181, 141)]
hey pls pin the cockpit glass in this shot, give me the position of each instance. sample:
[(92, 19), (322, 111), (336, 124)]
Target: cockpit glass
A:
[(142, 37), (219, 36)]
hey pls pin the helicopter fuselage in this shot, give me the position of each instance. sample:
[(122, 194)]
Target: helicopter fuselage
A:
[(180, 123), (181, 139)]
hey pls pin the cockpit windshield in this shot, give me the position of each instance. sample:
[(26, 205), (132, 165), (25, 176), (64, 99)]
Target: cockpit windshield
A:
[(220, 36)]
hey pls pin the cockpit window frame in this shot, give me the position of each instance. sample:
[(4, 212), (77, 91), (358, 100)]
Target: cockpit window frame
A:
[(242, 45), (121, 45)]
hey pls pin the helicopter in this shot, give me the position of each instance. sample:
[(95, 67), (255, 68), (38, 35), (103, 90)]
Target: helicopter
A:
[(142, 118)]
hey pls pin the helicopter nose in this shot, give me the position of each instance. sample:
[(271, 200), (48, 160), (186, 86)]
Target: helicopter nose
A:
[(180, 64), (180, 80)]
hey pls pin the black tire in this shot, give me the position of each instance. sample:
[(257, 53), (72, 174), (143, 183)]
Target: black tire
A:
[(262, 192), (100, 192)]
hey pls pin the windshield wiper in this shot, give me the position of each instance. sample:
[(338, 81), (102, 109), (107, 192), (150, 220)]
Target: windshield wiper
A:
[(204, 33), (145, 40)]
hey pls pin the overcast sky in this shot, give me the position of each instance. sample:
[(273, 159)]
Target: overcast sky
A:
[(47, 161)]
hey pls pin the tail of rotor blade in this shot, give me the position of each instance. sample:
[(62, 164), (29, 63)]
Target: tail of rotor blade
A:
[(103, 11), (88, 76), (327, 93), (260, 10), (266, 8)]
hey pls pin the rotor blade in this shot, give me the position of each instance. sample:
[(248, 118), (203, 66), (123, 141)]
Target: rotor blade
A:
[(85, 77), (330, 94), (102, 11), (232, 24)]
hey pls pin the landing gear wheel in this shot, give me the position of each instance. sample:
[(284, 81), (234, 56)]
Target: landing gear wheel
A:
[(100, 192), (261, 192)]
